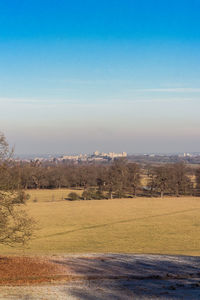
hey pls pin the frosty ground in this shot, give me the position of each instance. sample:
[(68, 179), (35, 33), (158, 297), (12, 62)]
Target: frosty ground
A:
[(114, 276)]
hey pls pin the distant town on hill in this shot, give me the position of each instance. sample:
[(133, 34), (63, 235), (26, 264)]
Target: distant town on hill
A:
[(102, 157)]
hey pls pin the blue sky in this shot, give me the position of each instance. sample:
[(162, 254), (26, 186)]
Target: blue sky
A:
[(76, 76)]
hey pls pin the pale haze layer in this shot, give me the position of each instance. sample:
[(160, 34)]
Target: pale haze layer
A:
[(76, 76)]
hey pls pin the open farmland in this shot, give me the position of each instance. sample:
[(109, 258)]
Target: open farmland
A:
[(141, 225)]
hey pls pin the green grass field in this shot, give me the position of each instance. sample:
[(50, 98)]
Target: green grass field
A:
[(141, 225)]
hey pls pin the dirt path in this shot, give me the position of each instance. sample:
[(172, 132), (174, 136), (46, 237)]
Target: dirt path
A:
[(116, 276)]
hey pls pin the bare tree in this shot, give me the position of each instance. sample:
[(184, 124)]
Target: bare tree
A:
[(16, 227), (134, 177), (117, 178), (180, 181)]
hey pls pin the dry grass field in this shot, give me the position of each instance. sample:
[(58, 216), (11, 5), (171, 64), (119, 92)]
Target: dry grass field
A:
[(140, 225), (50, 195)]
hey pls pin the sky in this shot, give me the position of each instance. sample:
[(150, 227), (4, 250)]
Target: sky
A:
[(118, 75)]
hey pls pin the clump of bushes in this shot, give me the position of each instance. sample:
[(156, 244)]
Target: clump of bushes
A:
[(92, 195), (73, 196)]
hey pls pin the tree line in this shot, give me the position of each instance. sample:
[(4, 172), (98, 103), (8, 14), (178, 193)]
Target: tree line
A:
[(118, 179)]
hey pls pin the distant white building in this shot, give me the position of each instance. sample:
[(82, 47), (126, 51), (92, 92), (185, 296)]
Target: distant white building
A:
[(96, 153), (110, 154), (96, 156)]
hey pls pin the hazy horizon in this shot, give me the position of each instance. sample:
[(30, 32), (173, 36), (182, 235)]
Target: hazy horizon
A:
[(45, 155), (113, 76)]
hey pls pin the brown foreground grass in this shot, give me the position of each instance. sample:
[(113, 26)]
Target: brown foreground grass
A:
[(16, 270)]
